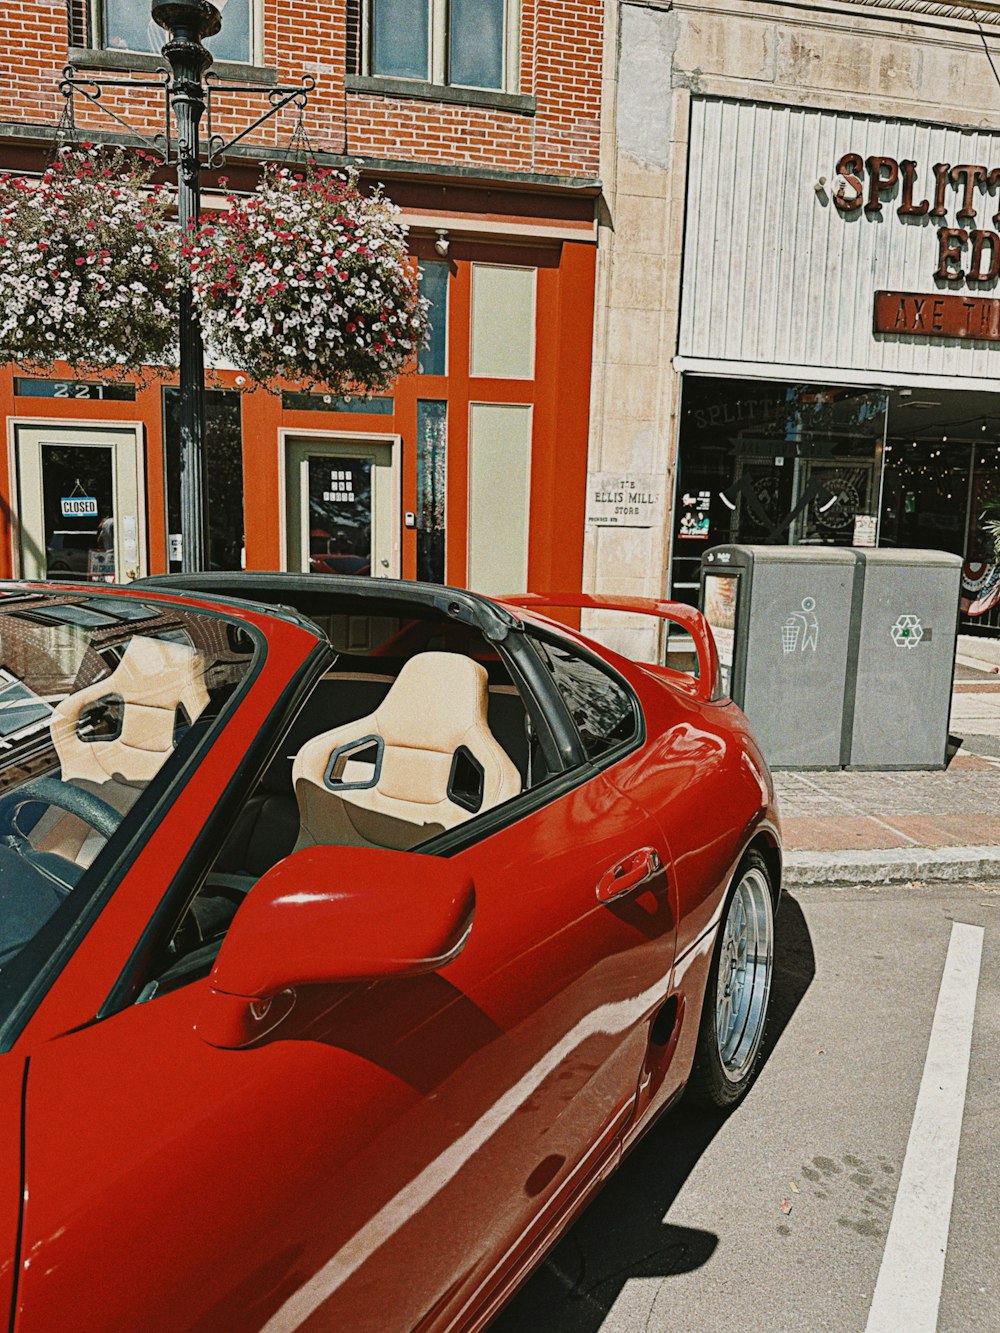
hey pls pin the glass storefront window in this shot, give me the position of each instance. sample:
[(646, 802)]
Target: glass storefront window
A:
[(224, 472), (925, 496), (773, 464), (78, 500), (340, 514), (942, 485), (433, 356), (432, 460), (790, 464)]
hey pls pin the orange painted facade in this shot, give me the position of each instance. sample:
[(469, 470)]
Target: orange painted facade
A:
[(510, 178)]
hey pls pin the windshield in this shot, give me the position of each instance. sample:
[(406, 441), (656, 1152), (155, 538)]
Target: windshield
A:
[(98, 694)]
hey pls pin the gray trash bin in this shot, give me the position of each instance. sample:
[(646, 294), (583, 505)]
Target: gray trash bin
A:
[(827, 650), (905, 659), (788, 643)]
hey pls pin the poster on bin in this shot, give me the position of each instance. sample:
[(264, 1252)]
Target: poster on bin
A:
[(721, 592)]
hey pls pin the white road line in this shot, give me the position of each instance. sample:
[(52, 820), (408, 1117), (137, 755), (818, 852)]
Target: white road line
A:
[(908, 1291)]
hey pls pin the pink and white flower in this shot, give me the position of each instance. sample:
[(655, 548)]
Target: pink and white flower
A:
[(309, 280), (87, 265)]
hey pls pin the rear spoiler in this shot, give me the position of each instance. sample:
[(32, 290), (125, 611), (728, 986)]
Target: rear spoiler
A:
[(689, 619)]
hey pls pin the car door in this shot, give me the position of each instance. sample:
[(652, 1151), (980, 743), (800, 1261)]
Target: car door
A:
[(387, 1152)]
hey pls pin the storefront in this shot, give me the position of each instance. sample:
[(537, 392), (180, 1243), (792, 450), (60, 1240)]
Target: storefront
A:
[(798, 326), (838, 349), (470, 471), (790, 463)]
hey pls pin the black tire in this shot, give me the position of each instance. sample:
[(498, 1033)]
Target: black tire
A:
[(734, 1017)]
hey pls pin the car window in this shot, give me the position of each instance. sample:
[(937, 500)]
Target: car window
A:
[(96, 696), (604, 710)]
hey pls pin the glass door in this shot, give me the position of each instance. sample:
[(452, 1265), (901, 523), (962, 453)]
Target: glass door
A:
[(342, 513), (78, 504)]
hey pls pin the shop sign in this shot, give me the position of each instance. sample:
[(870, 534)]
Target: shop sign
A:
[(78, 506), (966, 251), (340, 487), (949, 315), (616, 501), (956, 191)]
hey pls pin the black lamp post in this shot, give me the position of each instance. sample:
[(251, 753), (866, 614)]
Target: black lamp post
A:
[(187, 24)]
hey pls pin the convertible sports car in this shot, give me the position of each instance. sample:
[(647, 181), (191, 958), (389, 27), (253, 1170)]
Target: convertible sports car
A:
[(350, 932)]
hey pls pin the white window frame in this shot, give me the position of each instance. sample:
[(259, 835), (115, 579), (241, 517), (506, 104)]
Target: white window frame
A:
[(438, 41), (255, 57)]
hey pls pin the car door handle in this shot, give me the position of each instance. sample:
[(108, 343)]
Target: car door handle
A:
[(628, 875)]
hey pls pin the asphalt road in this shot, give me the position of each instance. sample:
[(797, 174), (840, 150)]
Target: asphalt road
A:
[(691, 1236)]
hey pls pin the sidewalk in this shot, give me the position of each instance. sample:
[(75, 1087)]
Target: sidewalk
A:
[(901, 827)]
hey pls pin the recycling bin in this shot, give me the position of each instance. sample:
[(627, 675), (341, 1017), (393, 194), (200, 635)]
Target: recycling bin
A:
[(905, 659), (841, 657), (781, 616)]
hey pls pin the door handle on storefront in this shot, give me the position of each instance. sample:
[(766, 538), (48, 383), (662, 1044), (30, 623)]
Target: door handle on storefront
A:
[(628, 875)]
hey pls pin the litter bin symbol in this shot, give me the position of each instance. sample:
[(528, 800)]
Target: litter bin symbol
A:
[(801, 627)]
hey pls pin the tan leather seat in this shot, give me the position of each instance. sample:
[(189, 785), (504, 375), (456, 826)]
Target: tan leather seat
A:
[(113, 753), (423, 761)]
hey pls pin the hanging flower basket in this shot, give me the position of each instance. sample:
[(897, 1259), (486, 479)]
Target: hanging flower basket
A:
[(309, 280), (87, 265)]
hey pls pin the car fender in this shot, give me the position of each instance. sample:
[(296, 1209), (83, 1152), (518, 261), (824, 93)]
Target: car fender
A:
[(13, 1072)]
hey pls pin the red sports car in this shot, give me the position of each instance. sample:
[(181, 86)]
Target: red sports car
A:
[(350, 931)]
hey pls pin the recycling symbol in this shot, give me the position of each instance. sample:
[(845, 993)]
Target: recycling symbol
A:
[(907, 632)]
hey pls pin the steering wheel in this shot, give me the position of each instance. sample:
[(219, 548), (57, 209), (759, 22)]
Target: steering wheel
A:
[(99, 815)]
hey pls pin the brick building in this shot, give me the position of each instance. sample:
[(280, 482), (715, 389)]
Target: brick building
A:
[(482, 120)]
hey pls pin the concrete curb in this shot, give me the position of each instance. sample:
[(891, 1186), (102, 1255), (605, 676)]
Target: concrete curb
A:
[(890, 865)]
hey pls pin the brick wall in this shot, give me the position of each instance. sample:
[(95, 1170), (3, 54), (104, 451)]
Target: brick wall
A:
[(32, 55), (560, 58)]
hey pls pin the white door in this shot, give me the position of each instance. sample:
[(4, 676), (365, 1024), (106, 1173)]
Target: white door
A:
[(342, 507), (80, 509)]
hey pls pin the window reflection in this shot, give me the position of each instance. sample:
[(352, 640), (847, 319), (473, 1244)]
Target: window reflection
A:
[(432, 471), (223, 474), (774, 464), (790, 464)]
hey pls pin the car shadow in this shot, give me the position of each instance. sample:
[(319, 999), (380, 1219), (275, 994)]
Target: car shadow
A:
[(622, 1234)]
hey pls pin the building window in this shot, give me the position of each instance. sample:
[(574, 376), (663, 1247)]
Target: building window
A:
[(124, 25), (432, 471), (224, 473), (433, 358), (775, 464), (462, 43)]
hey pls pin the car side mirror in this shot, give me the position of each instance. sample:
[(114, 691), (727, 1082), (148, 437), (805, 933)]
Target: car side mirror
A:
[(333, 914)]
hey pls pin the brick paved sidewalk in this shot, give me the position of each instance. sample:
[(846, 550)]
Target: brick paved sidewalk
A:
[(959, 807)]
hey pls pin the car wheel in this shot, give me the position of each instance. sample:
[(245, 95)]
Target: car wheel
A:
[(737, 996)]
